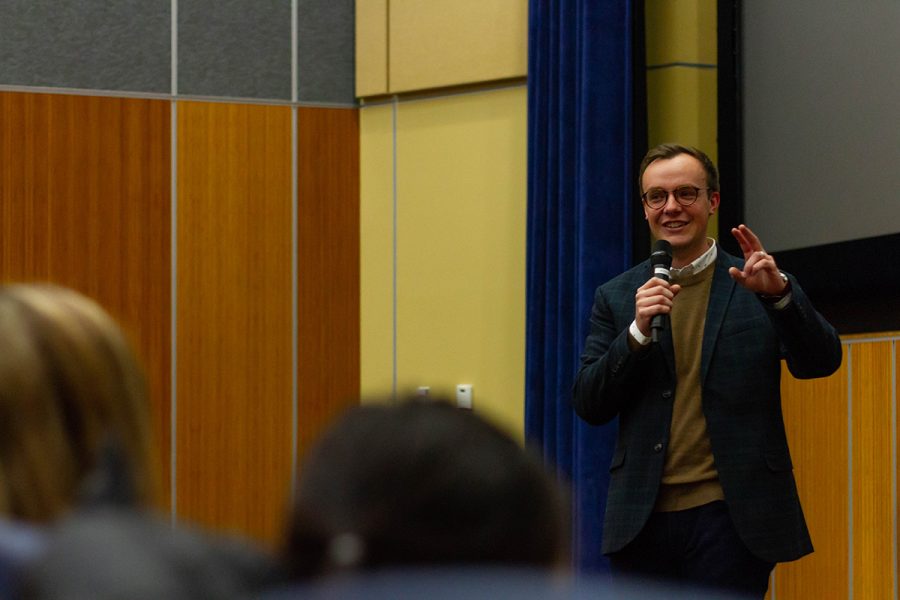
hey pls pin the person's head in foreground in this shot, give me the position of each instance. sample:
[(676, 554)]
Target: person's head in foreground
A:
[(70, 386), (423, 483)]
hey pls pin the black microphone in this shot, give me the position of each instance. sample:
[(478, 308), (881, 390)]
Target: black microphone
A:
[(660, 261)]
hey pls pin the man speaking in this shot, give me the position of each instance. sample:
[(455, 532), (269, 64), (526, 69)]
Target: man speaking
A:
[(701, 484)]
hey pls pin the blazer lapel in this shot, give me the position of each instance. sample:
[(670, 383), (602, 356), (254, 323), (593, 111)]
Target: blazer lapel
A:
[(720, 294)]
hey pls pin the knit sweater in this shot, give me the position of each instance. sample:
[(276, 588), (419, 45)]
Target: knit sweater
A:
[(689, 476)]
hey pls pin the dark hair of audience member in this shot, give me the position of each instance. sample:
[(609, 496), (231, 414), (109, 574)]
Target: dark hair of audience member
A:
[(423, 483), (69, 384)]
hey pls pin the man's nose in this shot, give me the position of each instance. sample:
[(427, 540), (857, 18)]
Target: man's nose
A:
[(671, 202)]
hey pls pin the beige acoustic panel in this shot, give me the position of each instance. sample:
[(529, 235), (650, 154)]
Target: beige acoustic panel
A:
[(682, 107), (681, 31), (442, 43), (461, 185), (371, 47), (234, 317), (376, 233), (872, 470), (815, 417)]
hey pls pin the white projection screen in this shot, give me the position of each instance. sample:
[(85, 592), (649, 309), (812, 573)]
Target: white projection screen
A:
[(821, 120)]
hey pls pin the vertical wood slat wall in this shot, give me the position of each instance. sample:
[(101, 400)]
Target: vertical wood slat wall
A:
[(328, 368), (842, 432), (234, 315), (86, 201)]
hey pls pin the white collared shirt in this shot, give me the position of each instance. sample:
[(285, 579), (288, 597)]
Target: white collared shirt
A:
[(701, 262)]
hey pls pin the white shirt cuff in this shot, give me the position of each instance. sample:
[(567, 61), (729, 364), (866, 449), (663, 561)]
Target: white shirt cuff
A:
[(639, 337), (781, 304)]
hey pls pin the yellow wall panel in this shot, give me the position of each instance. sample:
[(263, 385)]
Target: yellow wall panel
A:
[(816, 410), (371, 47), (682, 107), (681, 31), (872, 467), (234, 316), (461, 164), (376, 233), (682, 102), (453, 42)]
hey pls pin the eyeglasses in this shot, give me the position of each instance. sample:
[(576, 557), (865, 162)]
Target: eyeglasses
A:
[(685, 195)]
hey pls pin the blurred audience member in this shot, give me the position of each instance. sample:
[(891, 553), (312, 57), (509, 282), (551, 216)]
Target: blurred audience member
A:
[(20, 545), (77, 478), (69, 383), (419, 484), (111, 552)]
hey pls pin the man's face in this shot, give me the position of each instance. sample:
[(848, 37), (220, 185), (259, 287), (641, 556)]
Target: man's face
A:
[(682, 226)]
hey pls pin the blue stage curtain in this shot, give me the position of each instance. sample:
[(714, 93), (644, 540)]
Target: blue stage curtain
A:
[(580, 191)]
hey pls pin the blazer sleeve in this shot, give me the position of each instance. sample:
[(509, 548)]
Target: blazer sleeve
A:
[(608, 370), (809, 344)]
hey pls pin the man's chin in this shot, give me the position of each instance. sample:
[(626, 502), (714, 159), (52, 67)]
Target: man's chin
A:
[(678, 242)]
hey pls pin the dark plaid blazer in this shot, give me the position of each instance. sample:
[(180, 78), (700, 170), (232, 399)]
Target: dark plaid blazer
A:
[(744, 342)]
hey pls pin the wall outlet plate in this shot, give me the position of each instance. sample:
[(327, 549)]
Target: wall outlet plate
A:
[(464, 395)]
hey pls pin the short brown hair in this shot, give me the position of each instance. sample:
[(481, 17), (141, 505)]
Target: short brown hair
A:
[(664, 151)]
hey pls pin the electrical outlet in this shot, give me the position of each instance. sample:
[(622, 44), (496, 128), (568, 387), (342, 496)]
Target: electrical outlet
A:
[(464, 395)]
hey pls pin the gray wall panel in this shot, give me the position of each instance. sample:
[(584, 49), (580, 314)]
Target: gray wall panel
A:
[(325, 51), (821, 94), (237, 48), (88, 44)]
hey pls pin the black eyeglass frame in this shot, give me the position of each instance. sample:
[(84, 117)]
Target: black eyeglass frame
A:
[(673, 192)]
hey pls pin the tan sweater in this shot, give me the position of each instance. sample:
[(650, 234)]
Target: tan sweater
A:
[(689, 476)]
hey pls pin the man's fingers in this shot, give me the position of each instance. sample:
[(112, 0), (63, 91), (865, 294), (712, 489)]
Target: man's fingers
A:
[(737, 274), (751, 237), (742, 241), (764, 262)]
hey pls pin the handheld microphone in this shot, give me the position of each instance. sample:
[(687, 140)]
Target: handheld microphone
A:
[(660, 262)]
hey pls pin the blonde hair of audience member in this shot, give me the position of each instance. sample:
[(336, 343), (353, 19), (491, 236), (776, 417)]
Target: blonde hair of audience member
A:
[(69, 384), (422, 483)]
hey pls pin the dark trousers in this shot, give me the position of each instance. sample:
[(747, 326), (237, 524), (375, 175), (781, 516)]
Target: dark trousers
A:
[(696, 547)]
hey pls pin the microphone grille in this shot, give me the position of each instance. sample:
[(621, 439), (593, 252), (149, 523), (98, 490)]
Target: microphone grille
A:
[(662, 253)]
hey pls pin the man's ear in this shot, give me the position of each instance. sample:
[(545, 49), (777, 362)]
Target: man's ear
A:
[(713, 202)]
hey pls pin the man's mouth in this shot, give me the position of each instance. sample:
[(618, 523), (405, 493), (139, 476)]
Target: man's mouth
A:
[(674, 224)]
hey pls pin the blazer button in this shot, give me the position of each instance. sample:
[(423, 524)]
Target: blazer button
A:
[(667, 394), (657, 448)]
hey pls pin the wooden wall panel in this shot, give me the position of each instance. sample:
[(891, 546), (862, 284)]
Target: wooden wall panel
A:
[(873, 568), (24, 176), (816, 410), (328, 266), (234, 322), (895, 532), (86, 204)]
